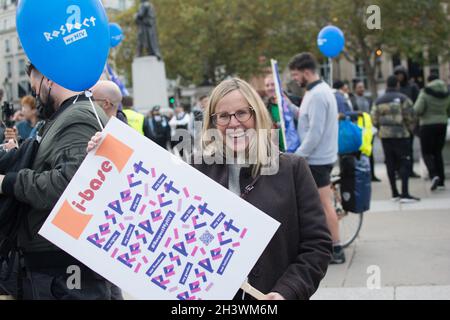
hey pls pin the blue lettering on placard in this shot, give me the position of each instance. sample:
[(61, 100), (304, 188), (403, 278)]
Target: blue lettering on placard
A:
[(111, 241), (136, 201), (128, 234), (218, 220), (159, 182), (188, 213), (186, 272), (225, 262), (161, 231), (156, 264)]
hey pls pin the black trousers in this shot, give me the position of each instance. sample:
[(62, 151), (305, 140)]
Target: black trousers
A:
[(51, 276), (411, 153), (51, 284), (397, 158), (432, 142), (8, 279)]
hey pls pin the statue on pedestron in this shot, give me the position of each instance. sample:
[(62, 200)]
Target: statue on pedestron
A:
[(147, 38)]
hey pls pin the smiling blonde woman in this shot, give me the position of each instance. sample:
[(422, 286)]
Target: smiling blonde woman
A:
[(237, 124), (296, 259)]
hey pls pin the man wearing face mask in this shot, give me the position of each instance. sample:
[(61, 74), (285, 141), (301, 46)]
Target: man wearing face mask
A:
[(70, 122), (157, 128)]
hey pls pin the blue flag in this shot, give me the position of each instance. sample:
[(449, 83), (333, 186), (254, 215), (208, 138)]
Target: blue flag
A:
[(114, 78)]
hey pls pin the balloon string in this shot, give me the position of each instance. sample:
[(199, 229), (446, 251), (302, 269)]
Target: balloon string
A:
[(89, 95)]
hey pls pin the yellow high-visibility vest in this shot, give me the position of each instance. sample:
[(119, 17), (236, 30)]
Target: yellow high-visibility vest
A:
[(135, 120), (365, 122)]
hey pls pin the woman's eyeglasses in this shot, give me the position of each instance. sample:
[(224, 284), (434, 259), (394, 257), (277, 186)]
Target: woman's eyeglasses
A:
[(224, 118)]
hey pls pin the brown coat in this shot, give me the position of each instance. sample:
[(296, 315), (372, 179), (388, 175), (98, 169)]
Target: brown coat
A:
[(297, 257)]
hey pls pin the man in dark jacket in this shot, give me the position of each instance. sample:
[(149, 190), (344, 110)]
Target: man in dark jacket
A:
[(393, 116), (71, 122), (157, 128), (411, 90), (11, 213), (408, 88)]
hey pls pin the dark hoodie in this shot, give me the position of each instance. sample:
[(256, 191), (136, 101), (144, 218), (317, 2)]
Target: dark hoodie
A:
[(433, 104), (408, 89)]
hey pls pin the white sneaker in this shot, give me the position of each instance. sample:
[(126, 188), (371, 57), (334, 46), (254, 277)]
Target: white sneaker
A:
[(434, 183), (409, 199), (395, 199)]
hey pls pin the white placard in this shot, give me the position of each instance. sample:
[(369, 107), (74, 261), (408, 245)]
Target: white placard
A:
[(155, 226)]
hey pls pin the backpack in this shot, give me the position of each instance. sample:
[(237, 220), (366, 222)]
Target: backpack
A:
[(13, 211), (356, 187), (350, 137)]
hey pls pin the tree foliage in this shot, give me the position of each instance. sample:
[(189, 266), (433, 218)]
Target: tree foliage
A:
[(408, 28), (209, 40)]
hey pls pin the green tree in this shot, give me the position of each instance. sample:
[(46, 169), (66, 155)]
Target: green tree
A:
[(124, 53), (209, 40), (408, 28)]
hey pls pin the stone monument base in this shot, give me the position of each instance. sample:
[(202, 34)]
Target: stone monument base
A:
[(149, 84)]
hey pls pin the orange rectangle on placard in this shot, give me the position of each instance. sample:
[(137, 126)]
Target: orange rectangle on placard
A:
[(71, 221), (116, 151)]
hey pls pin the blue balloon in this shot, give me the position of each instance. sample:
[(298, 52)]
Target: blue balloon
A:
[(331, 41), (116, 34), (67, 41)]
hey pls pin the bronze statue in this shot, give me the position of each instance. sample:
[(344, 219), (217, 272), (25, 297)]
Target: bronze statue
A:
[(147, 42)]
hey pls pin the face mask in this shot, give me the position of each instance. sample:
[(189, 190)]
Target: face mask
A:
[(47, 109), (157, 117)]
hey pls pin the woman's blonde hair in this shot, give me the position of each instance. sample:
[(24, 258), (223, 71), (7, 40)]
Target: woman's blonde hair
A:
[(261, 148)]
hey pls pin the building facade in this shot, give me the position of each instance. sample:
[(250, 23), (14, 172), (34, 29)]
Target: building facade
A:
[(117, 4), (13, 78), (346, 71)]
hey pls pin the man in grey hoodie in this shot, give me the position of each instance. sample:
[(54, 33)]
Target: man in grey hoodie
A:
[(318, 132)]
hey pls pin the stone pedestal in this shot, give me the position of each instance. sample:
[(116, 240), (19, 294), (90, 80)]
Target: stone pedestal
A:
[(149, 84)]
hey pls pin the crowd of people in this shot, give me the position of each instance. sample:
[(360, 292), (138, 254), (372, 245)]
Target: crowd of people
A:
[(298, 194), (398, 116)]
